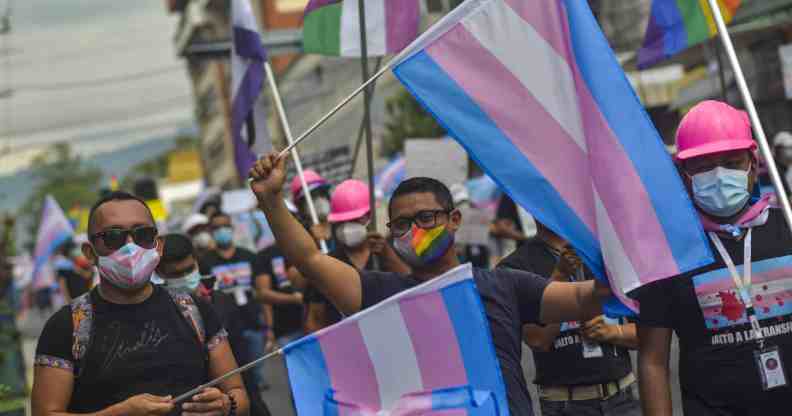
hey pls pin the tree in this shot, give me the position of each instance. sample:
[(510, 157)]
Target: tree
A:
[(406, 119), (66, 177)]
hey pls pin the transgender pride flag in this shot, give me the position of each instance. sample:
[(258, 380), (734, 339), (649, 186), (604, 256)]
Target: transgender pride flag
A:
[(247, 80), (534, 93), (53, 231), (424, 350)]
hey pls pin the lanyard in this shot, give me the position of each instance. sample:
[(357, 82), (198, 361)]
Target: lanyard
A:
[(743, 284)]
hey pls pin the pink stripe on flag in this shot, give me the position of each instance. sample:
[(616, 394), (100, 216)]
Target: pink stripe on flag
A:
[(402, 17), (352, 384), (520, 116), (434, 341), (315, 4), (623, 193)]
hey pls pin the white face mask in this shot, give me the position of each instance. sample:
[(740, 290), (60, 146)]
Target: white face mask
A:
[(202, 239), (322, 206), (185, 284), (351, 234)]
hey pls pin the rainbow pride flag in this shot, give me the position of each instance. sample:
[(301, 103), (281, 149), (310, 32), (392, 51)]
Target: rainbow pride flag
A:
[(676, 25), (424, 351), (536, 96)]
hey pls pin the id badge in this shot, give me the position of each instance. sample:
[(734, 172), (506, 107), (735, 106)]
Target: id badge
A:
[(592, 349), (771, 368), (240, 296)]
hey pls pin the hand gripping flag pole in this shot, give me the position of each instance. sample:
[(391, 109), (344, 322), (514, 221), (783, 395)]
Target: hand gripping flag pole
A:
[(764, 146)]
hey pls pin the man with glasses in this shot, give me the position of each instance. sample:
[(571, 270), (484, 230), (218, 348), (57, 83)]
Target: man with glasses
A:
[(127, 347), (423, 223)]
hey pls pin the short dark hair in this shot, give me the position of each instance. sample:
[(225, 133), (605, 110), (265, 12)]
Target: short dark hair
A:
[(115, 196), (176, 247), (424, 185)]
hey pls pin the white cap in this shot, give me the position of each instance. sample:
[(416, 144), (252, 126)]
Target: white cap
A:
[(783, 138), (193, 221), (459, 193)]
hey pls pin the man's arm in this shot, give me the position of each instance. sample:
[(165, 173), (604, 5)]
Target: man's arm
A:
[(265, 294), (622, 335), (314, 318), (653, 374), (213, 401), (576, 301), (52, 390), (337, 280)]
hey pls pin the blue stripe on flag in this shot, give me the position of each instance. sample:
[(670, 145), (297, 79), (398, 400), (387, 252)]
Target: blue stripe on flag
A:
[(40, 261), (668, 16), (492, 150), (308, 376), (478, 353), (639, 138)]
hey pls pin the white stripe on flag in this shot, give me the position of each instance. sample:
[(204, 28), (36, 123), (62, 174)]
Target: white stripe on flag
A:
[(376, 28), (537, 65), (617, 264), (391, 351)]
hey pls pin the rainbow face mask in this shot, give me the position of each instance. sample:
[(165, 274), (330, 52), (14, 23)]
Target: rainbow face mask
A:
[(420, 247)]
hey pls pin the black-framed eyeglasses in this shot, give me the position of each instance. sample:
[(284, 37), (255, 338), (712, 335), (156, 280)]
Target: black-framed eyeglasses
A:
[(423, 219), (115, 238)]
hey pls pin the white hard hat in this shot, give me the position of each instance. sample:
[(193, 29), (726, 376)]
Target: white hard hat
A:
[(193, 221), (783, 138)]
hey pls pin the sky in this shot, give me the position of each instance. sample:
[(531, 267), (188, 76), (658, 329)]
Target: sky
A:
[(100, 74)]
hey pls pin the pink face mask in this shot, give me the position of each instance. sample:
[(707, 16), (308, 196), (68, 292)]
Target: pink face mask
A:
[(129, 267)]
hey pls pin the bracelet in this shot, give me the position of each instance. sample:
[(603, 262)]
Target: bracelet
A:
[(232, 410)]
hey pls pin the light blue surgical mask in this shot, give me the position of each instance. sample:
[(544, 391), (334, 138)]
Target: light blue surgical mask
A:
[(721, 192), (184, 284), (223, 236)]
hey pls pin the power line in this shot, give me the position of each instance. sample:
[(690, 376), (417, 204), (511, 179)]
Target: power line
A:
[(99, 82)]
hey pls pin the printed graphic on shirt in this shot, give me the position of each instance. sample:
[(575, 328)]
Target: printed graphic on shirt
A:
[(233, 275), (279, 269), (723, 309)]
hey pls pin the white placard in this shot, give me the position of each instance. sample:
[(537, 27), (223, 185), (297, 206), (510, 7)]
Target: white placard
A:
[(785, 52), (475, 226), (238, 201), (441, 159)]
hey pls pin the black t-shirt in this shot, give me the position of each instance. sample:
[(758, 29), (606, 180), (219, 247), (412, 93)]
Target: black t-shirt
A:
[(312, 295), (565, 365), (716, 363), (235, 276), (507, 210), (134, 349), (511, 299), (75, 284), (287, 319)]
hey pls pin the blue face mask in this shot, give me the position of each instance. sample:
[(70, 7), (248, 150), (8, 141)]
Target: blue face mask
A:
[(223, 236), (721, 192), (184, 284)]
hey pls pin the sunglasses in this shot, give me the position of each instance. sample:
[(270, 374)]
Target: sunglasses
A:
[(115, 238)]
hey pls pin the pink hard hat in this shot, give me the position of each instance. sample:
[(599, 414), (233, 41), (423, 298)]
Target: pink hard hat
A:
[(349, 201), (314, 181), (713, 127)]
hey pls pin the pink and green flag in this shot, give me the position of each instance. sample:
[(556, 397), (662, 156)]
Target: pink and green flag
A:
[(331, 27)]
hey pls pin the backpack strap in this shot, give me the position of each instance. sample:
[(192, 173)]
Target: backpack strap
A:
[(189, 309), (82, 322)]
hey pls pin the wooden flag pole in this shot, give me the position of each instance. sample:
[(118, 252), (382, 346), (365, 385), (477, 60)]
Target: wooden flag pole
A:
[(764, 146), (372, 226), (296, 156)]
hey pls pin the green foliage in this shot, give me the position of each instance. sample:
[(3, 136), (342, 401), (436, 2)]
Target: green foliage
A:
[(66, 177), (406, 119)]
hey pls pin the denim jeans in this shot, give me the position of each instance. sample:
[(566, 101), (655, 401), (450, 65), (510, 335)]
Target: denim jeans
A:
[(622, 404), (255, 348)]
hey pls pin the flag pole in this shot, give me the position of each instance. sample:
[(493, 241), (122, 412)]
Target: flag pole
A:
[(372, 226), (764, 146), (290, 140), (337, 108)]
